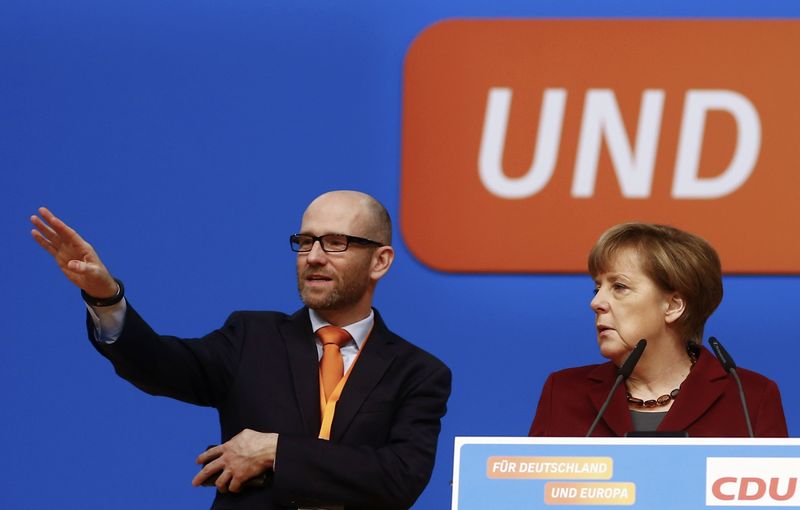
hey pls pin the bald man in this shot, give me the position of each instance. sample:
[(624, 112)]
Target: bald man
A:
[(287, 442)]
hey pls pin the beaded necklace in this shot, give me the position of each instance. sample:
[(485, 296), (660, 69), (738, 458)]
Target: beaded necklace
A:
[(663, 400)]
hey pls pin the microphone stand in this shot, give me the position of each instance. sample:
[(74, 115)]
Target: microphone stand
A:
[(622, 373), (730, 367)]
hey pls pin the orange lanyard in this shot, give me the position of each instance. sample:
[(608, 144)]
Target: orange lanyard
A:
[(328, 406)]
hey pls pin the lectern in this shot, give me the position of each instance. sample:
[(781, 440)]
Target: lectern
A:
[(503, 473)]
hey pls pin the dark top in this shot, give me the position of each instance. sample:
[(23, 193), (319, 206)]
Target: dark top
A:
[(647, 422)]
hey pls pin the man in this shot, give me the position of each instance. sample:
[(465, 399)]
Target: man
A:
[(364, 437)]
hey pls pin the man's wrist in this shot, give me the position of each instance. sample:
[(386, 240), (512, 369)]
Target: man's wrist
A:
[(275, 455), (113, 300)]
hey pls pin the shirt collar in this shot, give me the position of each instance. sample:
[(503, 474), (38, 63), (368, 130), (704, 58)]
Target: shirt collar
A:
[(358, 330)]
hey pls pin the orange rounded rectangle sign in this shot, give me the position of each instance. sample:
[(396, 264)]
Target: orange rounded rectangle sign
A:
[(590, 493), (550, 468), (523, 140)]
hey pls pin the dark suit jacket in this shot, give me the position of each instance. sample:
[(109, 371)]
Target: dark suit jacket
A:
[(708, 404), (260, 370)]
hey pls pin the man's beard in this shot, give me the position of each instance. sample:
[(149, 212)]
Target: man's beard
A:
[(345, 292)]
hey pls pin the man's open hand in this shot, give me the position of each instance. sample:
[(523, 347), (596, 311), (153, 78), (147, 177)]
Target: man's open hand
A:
[(245, 456), (76, 258)]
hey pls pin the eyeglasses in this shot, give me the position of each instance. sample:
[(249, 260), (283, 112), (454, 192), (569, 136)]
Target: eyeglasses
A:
[(330, 243)]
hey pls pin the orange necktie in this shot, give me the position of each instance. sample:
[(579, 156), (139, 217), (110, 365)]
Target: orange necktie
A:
[(331, 366)]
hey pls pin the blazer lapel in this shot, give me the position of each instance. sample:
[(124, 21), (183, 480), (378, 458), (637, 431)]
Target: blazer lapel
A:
[(699, 391), (617, 417), (374, 360), (304, 366)]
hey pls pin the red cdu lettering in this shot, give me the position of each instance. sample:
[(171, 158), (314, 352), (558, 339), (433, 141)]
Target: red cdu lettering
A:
[(790, 489), (745, 485), (716, 488)]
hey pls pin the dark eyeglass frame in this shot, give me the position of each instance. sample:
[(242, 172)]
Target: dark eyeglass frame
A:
[(348, 238)]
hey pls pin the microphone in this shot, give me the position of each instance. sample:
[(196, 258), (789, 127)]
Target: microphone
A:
[(730, 366), (627, 368), (623, 373)]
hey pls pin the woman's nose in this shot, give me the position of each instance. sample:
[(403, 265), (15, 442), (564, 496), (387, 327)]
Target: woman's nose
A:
[(599, 302)]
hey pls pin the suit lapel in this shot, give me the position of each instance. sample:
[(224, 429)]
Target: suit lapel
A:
[(304, 366), (617, 417), (374, 360), (699, 391)]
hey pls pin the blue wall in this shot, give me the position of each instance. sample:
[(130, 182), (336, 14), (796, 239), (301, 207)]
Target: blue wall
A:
[(184, 139)]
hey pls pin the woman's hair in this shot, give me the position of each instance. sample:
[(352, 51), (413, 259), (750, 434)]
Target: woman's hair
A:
[(676, 261)]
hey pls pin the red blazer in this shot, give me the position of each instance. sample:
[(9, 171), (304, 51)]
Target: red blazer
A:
[(708, 405)]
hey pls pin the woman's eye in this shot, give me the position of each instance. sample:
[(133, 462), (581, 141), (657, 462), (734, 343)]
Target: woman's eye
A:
[(619, 286), (595, 291)]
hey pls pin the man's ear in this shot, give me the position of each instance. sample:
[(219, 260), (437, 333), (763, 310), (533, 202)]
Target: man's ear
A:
[(676, 305), (382, 260)]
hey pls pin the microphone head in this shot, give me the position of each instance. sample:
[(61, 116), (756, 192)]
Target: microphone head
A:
[(721, 354), (633, 358)]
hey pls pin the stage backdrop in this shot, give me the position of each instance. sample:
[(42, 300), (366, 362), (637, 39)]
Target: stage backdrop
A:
[(184, 139)]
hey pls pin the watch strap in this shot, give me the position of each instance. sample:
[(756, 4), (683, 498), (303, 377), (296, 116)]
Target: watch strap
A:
[(113, 300)]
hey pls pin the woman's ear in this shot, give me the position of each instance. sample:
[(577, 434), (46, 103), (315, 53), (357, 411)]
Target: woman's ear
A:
[(675, 308)]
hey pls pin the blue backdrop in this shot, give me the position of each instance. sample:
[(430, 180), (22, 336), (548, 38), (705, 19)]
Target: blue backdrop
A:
[(184, 139)]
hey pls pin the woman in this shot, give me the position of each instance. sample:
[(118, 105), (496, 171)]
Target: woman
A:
[(661, 284)]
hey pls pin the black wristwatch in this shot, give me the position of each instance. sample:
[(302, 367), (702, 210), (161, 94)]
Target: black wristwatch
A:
[(113, 300)]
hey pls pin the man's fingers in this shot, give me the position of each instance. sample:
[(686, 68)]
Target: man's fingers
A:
[(212, 463), (44, 229), (223, 480), (235, 485), (56, 233), (62, 229), (44, 243), (209, 455), (48, 216), (208, 470), (198, 479)]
